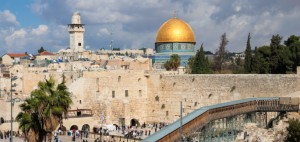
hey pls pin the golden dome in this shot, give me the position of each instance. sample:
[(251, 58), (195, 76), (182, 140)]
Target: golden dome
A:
[(175, 30)]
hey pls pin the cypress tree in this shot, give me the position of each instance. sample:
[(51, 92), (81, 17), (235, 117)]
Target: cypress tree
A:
[(201, 64), (248, 56)]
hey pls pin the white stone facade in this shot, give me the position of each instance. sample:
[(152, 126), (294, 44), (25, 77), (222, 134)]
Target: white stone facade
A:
[(76, 31)]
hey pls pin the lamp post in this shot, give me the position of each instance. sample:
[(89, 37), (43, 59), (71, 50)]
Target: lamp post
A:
[(12, 78), (181, 133), (181, 130)]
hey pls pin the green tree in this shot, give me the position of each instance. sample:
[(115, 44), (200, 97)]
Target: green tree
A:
[(248, 56), (45, 109), (167, 65), (29, 122), (291, 40), (190, 63), (173, 63), (41, 50), (295, 55), (219, 58), (274, 58), (293, 131), (293, 43), (280, 56), (200, 63), (261, 63), (237, 66)]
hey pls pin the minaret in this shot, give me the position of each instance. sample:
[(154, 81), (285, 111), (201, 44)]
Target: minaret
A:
[(76, 30)]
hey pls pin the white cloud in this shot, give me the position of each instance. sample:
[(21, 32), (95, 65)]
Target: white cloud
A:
[(16, 40), (136, 22), (29, 40), (42, 29), (16, 35), (8, 18)]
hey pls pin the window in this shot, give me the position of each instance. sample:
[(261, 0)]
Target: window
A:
[(119, 78), (113, 94), (126, 93), (140, 93), (79, 44), (167, 113)]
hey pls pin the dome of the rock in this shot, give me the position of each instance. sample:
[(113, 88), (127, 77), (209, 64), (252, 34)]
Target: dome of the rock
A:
[(175, 30), (174, 37)]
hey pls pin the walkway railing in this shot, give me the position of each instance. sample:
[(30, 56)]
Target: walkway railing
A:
[(201, 117)]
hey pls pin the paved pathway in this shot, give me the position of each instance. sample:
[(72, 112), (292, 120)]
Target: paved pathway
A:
[(64, 138)]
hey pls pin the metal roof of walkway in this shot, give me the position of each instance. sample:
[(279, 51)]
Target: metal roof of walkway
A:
[(200, 117)]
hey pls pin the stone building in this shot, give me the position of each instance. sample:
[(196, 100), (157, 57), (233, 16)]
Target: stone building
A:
[(13, 58)]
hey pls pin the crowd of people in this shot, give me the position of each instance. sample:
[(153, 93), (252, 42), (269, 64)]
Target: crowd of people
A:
[(7, 134), (133, 131)]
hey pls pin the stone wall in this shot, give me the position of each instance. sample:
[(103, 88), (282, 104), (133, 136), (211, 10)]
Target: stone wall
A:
[(100, 95), (202, 90), (152, 96)]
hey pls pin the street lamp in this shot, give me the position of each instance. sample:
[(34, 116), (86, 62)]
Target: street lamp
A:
[(181, 132), (12, 78)]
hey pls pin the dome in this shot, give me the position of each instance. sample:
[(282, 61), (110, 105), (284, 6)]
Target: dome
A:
[(175, 30)]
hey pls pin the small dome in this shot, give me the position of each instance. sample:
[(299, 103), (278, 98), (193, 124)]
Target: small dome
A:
[(175, 30)]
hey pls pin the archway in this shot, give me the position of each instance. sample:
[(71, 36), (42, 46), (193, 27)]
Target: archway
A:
[(74, 127), (85, 126), (134, 122)]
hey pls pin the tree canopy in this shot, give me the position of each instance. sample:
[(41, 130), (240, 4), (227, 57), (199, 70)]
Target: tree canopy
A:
[(41, 50), (43, 111), (173, 63), (293, 43), (275, 58), (200, 63)]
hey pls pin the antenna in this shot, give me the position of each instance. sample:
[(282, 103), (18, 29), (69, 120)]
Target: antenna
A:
[(111, 41)]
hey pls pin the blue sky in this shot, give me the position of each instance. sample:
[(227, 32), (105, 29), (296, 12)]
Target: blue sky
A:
[(22, 10), (26, 25)]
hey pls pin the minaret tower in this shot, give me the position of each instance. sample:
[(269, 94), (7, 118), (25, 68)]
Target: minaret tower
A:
[(76, 31)]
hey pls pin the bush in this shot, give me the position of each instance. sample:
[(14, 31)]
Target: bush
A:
[(293, 131)]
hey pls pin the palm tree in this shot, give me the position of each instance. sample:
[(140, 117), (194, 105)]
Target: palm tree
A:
[(46, 106), (173, 63), (28, 121)]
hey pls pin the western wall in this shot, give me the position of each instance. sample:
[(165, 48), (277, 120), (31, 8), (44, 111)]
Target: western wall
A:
[(147, 96)]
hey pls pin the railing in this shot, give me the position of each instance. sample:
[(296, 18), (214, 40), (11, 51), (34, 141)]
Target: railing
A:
[(199, 118)]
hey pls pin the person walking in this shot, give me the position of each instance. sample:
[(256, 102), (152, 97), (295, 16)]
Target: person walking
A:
[(73, 135)]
